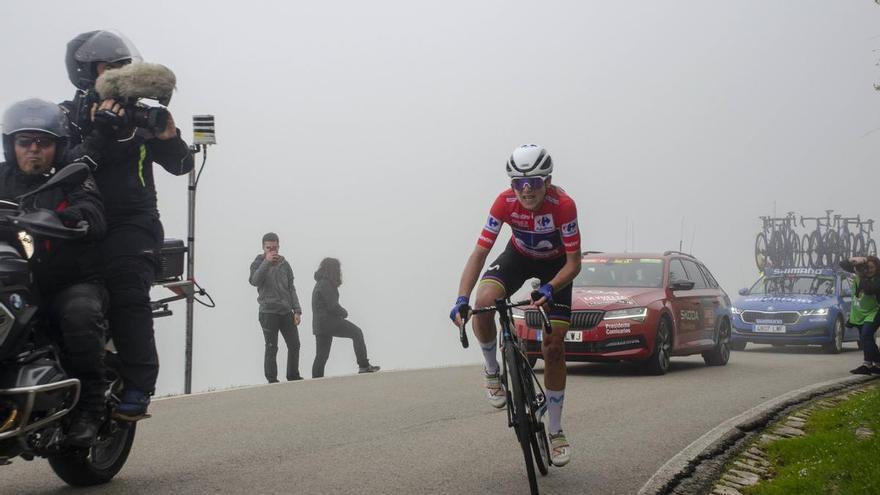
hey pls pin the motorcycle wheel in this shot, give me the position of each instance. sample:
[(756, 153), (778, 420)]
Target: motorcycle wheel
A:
[(102, 461)]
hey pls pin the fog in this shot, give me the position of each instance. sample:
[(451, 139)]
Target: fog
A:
[(376, 132)]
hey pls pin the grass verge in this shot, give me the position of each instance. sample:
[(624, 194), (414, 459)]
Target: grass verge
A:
[(831, 458)]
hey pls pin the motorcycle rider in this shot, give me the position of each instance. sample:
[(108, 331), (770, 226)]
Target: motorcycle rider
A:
[(123, 158), (66, 272)]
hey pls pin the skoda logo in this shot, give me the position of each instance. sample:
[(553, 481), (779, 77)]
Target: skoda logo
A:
[(770, 308), (16, 302)]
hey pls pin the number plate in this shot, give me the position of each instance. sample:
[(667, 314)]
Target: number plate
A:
[(770, 328), (574, 336)]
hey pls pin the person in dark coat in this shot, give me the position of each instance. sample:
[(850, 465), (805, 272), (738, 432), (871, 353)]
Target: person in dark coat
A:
[(280, 311), (66, 273), (330, 319)]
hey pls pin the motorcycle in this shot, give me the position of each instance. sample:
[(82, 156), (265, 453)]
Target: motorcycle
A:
[(36, 394)]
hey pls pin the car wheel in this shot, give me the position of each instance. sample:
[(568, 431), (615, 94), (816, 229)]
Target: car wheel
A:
[(836, 344), (720, 354), (737, 345), (658, 363)]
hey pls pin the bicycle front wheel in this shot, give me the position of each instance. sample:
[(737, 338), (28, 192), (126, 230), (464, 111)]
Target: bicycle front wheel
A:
[(521, 422), (760, 251)]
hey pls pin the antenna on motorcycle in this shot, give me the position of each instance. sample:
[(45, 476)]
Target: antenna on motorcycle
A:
[(75, 173)]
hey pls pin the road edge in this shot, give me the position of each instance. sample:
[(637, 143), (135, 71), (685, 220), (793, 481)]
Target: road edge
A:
[(717, 440)]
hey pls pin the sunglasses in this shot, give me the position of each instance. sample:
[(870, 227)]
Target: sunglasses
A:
[(534, 183), (26, 142)]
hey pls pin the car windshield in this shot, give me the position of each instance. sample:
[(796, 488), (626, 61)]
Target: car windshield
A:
[(794, 284), (620, 272)]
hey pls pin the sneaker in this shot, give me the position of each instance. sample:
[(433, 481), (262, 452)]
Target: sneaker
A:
[(495, 393), (83, 429), (368, 369), (560, 449), (861, 370), (133, 406)]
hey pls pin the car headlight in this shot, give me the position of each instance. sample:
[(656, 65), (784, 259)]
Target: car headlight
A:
[(637, 314), (735, 310), (814, 312)]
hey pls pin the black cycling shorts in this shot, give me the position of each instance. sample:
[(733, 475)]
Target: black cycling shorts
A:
[(511, 269)]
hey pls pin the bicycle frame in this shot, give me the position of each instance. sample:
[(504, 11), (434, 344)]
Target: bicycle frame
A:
[(524, 402)]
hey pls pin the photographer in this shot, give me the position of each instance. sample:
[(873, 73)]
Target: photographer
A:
[(122, 153), (66, 273), (865, 314)]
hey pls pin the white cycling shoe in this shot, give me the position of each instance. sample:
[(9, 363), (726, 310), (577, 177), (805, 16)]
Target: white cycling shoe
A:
[(560, 449), (495, 393)]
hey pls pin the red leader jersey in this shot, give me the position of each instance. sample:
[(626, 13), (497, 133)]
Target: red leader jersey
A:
[(541, 234)]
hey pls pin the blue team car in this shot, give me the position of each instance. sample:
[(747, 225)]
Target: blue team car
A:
[(795, 306)]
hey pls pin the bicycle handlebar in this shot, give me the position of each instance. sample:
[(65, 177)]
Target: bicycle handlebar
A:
[(462, 334)]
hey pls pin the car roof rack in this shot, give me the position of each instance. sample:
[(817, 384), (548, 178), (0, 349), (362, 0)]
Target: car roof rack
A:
[(667, 253)]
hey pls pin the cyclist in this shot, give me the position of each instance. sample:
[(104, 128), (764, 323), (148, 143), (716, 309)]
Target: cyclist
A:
[(545, 244)]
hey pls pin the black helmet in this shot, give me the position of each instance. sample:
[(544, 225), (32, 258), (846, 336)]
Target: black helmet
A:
[(87, 49), (38, 116)]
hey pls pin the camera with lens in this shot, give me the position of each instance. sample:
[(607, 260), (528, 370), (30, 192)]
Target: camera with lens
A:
[(129, 85)]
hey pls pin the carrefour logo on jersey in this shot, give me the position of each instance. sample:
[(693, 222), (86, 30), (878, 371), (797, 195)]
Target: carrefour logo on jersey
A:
[(544, 223), (570, 228), (493, 225)]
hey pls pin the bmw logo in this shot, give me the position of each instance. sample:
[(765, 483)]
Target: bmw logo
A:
[(16, 302)]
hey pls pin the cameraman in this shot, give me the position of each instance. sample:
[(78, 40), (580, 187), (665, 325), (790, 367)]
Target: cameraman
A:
[(66, 272), (123, 157), (865, 314)]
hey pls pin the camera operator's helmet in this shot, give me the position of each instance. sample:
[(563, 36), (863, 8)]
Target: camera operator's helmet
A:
[(86, 50), (37, 116), (530, 160)]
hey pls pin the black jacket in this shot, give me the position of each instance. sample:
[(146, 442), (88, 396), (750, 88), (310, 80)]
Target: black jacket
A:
[(124, 168), (326, 311), (56, 263)]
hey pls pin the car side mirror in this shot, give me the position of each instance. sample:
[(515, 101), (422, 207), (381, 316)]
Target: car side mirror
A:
[(682, 285), (744, 292)]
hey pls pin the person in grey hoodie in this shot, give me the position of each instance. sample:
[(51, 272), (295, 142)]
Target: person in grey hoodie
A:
[(329, 319), (280, 311)]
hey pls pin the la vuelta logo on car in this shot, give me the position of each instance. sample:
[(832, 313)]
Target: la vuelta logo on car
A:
[(544, 223)]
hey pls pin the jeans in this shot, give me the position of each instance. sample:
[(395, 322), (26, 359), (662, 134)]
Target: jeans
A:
[(273, 324)]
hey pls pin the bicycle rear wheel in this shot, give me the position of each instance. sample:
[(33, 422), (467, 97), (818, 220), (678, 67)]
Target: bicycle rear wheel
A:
[(521, 422), (871, 250)]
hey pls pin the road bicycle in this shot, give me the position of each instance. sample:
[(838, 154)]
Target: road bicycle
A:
[(778, 243), (526, 401), (863, 244), (816, 251)]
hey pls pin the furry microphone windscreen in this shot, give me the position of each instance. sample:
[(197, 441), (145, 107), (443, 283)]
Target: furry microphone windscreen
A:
[(139, 80)]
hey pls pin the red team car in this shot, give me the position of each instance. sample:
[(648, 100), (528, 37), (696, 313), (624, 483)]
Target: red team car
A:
[(641, 307)]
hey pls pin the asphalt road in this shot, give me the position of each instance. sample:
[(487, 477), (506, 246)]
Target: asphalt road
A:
[(429, 431)]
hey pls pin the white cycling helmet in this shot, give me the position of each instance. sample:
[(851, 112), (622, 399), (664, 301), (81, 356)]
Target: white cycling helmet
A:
[(530, 160)]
